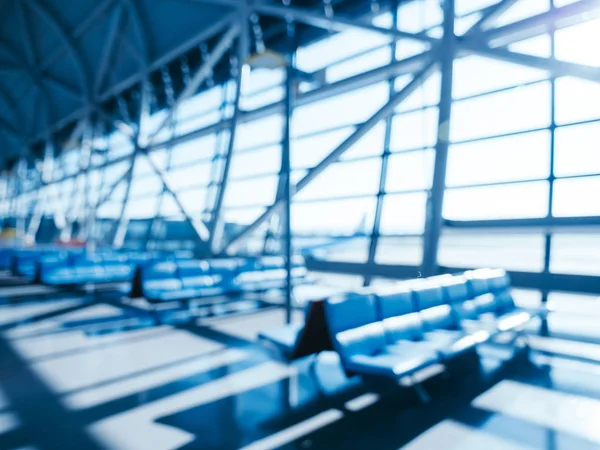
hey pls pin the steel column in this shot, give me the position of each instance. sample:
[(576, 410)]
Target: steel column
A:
[(433, 226), (374, 242), (287, 186), (38, 213), (216, 224), (551, 178)]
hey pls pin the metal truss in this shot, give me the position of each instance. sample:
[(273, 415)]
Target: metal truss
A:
[(481, 39)]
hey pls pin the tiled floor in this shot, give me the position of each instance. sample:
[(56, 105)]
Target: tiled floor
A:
[(207, 385)]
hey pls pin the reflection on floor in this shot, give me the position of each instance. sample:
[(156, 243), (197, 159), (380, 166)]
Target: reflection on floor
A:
[(70, 381)]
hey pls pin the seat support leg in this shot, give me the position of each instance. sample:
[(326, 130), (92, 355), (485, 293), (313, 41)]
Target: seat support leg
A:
[(421, 393)]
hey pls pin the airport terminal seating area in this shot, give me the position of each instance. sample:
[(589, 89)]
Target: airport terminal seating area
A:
[(394, 332)]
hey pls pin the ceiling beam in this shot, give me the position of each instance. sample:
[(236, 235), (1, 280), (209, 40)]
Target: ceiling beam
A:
[(201, 74), (67, 41), (338, 22)]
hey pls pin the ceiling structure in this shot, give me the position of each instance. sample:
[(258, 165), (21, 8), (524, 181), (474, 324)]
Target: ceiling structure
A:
[(62, 60)]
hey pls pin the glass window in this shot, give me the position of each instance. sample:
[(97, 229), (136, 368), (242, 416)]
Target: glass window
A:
[(337, 47), (576, 100), (575, 254), (349, 108), (464, 7), (407, 48), (419, 15), (193, 123), (577, 151), (511, 201), (259, 132), (109, 210), (569, 302), (169, 208), (337, 280), (521, 252), (255, 162), (576, 197), (261, 78), (573, 43), (262, 98), (207, 100), (193, 200), (344, 179), (410, 171), (362, 63), (308, 151), (476, 75), (414, 130), (184, 177), (257, 191), (537, 46), (399, 250), (518, 109), (353, 249), (145, 186), (510, 158), (335, 217), (141, 208), (403, 214), (522, 10), (428, 94), (242, 216)]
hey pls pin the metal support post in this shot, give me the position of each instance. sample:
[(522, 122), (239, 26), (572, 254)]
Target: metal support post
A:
[(287, 186), (216, 224), (38, 213), (374, 242), (433, 226)]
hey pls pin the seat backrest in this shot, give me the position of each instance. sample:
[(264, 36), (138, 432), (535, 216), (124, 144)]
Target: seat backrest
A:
[(440, 317), (394, 301), (353, 325), (486, 304), (271, 262), (224, 266), (159, 271), (498, 280), (396, 309), (476, 282), (192, 268), (428, 295), (456, 290), (504, 301)]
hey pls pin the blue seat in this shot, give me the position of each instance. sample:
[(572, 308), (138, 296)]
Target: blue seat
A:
[(477, 282), (6, 258), (457, 294), (403, 327), (499, 311), (442, 326), (284, 338), (359, 338), (498, 280), (158, 279)]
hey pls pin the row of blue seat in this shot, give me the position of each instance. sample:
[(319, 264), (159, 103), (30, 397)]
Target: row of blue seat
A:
[(182, 280), (103, 266), (396, 331)]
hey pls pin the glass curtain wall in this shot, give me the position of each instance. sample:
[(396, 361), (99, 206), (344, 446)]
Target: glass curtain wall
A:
[(522, 148)]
